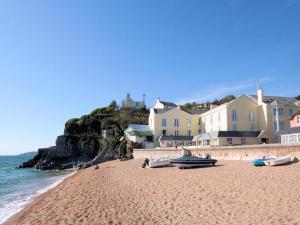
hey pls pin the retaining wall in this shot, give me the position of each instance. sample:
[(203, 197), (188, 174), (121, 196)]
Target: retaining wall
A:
[(245, 152)]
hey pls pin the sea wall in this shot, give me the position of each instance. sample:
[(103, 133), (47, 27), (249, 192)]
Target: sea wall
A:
[(245, 152)]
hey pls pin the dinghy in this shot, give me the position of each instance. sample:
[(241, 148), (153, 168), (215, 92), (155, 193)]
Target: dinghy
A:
[(157, 163), (189, 161), (260, 162), (279, 161)]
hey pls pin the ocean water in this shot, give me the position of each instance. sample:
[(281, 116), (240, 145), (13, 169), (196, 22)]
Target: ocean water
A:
[(19, 186)]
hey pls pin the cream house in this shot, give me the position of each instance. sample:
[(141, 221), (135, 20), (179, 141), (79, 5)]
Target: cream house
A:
[(172, 125), (250, 119)]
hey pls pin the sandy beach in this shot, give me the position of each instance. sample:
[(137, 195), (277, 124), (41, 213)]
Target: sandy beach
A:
[(234, 192)]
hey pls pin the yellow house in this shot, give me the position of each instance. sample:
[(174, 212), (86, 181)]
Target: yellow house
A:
[(274, 113), (250, 119), (172, 125)]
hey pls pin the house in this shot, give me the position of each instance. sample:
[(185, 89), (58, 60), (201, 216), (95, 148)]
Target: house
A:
[(128, 103), (250, 119), (164, 105), (172, 125), (141, 134), (274, 113), (293, 134)]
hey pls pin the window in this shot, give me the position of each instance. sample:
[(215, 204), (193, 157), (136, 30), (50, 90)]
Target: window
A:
[(276, 138), (275, 125), (274, 112), (280, 111), (229, 141), (252, 127), (291, 112), (164, 132), (176, 123), (243, 141), (188, 123), (199, 122), (188, 132), (199, 131), (234, 116), (251, 116), (176, 133), (298, 119), (281, 125), (234, 127), (292, 138), (164, 122)]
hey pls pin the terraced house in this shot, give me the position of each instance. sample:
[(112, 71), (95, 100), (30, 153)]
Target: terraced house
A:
[(173, 125), (254, 119)]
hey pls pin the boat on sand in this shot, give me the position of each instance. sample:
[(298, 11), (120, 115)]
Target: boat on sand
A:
[(279, 161), (260, 162), (157, 163), (189, 161)]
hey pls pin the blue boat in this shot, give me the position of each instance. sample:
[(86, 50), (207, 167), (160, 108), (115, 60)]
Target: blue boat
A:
[(260, 162)]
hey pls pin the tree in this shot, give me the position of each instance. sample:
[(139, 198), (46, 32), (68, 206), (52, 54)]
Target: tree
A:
[(298, 97), (227, 98)]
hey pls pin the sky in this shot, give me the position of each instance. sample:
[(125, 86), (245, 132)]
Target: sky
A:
[(61, 59)]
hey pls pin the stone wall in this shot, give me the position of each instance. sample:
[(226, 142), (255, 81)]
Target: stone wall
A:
[(245, 152)]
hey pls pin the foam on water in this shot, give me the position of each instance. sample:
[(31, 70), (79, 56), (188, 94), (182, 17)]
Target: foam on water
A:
[(20, 187)]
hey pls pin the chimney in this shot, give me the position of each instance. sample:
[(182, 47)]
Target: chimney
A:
[(260, 96)]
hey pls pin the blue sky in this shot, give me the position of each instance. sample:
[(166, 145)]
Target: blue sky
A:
[(61, 59)]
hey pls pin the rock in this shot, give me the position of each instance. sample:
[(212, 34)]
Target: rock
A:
[(96, 167)]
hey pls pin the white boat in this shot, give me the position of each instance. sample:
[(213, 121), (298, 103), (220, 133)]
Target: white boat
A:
[(279, 161), (156, 163)]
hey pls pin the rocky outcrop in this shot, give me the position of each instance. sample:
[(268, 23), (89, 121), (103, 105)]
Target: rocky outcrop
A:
[(71, 152), (83, 143)]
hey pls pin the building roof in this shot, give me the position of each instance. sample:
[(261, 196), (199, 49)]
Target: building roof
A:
[(189, 111), (276, 99), (294, 130), (194, 111), (295, 114), (168, 103), (161, 110), (175, 138), (229, 134), (139, 130)]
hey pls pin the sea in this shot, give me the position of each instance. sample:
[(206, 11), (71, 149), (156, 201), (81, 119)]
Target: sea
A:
[(18, 187)]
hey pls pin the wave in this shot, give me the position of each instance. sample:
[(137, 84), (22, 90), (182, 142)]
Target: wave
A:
[(15, 202)]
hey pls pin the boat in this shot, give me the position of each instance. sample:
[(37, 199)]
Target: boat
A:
[(279, 161), (189, 161), (157, 163), (260, 162)]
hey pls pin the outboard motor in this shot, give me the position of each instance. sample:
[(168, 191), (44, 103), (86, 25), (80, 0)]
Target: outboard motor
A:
[(146, 163), (185, 152)]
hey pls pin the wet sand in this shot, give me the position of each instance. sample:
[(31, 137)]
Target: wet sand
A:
[(234, 192)]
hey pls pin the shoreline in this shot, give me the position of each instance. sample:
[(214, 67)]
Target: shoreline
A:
[(36, 195), (232, 192)]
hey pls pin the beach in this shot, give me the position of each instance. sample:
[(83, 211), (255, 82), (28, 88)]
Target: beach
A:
[(233, 192)]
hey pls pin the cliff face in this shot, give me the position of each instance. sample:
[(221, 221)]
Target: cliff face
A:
[(83, 143)]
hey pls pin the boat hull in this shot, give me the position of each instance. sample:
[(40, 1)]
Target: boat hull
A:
[(260, 162), (159, 163), (192, 164), (279, 161)]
